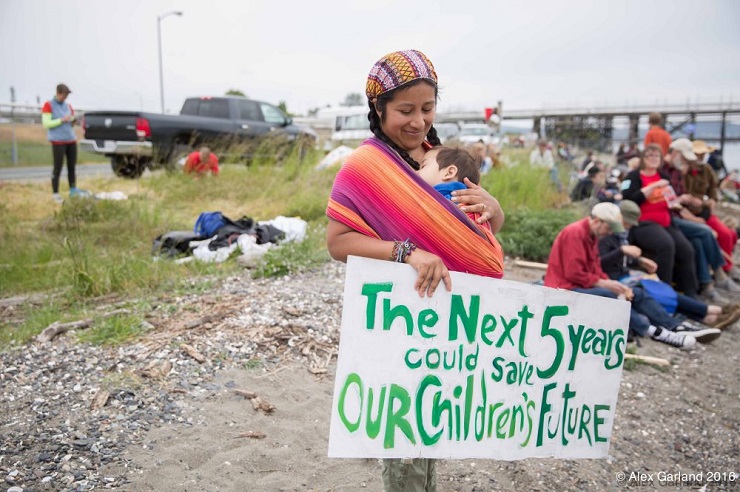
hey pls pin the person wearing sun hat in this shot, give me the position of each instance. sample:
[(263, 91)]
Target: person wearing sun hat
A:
[(701, 197), (380, 208)]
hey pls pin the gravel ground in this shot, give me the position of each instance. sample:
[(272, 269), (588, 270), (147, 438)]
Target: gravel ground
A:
[(81, 417)]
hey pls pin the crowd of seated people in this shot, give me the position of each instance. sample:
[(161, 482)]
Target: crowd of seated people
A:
[(667, 195)]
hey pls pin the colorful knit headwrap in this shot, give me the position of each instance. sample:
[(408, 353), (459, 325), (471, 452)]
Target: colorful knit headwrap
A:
[(396, 69)]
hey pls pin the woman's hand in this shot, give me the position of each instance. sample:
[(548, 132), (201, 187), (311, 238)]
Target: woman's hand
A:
[(477, 200), (431, 272)]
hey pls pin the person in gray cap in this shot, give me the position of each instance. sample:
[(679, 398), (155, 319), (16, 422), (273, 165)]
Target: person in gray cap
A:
[(574, 264), (58, 116), (620, 260)]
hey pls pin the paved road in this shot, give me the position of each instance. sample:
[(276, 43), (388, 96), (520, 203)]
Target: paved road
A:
[(44, 172)]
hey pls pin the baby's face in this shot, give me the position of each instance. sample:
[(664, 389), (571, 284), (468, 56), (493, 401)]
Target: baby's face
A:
[(429, 169)]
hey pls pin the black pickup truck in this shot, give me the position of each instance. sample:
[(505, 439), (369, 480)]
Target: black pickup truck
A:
[(136, 141)]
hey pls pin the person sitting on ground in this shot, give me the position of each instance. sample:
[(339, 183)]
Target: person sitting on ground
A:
[(587, 160), (445, 169), (541, 156), (619, 260), (574, 264), (656, 134), (564, 152), (609, 192), (707, 253), (480, 153), (202, 162), (700, 198), (656, 235), (495, 154), (620, 154), (584, 189), (730, 186)]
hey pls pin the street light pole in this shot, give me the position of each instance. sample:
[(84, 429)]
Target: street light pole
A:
[(159, 46)]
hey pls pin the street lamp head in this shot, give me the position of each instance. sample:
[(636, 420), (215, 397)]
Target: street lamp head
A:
[(167, 14)]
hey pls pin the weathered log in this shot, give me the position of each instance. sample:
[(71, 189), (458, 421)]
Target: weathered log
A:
[(656, 361)]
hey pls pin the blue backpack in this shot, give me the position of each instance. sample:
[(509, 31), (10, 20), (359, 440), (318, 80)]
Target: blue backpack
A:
[(208, 223), (661, 292)]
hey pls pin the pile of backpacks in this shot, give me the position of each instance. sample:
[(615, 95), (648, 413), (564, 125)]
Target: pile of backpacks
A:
[(215, 237)]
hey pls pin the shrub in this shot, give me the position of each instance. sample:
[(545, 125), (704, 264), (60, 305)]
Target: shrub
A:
[(530, 234)]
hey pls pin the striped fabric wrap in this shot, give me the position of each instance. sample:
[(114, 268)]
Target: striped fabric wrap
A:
[(377, 194)]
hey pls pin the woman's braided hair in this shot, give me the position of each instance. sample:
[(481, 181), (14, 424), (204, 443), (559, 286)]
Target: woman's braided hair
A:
[(375, 122)]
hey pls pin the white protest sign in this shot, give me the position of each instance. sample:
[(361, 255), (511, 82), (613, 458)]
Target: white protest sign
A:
[(494, 369)]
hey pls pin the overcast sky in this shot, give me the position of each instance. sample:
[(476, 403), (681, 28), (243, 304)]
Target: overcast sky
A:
[(529, 54)]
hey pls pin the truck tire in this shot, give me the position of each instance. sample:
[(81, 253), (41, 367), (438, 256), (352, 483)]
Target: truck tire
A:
[(129, 167), (179, 151)]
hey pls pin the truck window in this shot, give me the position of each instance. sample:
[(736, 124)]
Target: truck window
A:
[(272, 114), (249, 110), (190, 107), (214, 108)]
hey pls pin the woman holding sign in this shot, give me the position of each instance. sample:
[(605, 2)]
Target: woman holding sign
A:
[(380, 208)]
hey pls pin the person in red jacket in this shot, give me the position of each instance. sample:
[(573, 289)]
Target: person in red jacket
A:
[(201, 162), (656, 134), (574, 264)]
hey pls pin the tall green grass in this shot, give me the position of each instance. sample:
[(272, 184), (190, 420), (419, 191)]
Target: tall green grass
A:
[(88, 248), (34, 154)]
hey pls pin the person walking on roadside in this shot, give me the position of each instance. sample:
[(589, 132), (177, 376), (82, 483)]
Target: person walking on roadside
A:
[(58, 116)]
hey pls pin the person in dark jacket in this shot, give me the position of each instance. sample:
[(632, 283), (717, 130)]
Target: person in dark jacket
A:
[(659, 239), (619, 259), (584, 189), (574, 264)]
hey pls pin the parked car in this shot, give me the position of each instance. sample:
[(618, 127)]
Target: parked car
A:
[(447, 131), (351, 126), (136, 141), (476, 132)]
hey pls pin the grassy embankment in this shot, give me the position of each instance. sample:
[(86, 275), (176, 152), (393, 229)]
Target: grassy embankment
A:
[(33, 148), (86, 249)]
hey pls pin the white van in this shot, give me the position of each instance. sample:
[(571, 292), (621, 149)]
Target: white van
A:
[(350, 125)]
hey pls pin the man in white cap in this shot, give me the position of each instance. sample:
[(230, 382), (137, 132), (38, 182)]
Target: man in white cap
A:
[(700, 197), (574, 264)]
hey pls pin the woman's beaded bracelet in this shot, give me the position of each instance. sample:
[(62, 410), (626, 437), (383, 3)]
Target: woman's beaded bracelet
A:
[(401, 250)]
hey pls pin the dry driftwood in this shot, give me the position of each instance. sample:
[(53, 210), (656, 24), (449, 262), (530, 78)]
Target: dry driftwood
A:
[(100, 399), (257, 402), (193, 353), (656, 361), (57, 328), (157, 370), (16, 300), (246, 393), (530, 264), (201, 321), (252, 434)]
